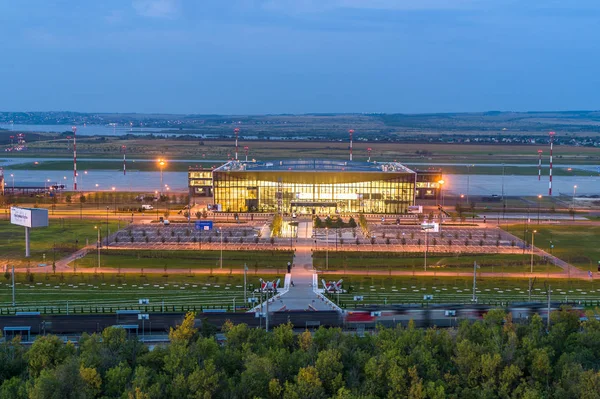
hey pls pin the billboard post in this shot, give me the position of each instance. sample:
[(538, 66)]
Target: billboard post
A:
[(28, 218)]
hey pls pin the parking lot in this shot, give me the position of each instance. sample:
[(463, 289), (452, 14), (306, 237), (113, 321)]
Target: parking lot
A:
[(172, 237), (403, 238)]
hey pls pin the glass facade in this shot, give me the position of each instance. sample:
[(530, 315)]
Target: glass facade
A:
[(200, 182), (323, 187)]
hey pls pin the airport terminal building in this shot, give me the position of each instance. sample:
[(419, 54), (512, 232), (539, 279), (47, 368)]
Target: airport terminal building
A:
[(309, 186)]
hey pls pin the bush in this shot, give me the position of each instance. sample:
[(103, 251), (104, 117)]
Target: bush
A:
[(403, 241), (387, 241), (163, 239)]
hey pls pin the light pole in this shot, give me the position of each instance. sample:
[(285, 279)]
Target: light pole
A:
[(245, 271), (161, 164), (114, 199), (85, 173), (572, 204), (13, 181), (539, 200), (441, 198), (221, 257), (107, 226), (468, 181), (426, 246), (98, 244), (532, 239), (327, 251)]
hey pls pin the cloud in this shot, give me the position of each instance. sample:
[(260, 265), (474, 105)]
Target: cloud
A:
[(157, 8)]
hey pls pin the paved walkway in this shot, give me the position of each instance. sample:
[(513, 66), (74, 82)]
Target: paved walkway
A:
[(301, 295)]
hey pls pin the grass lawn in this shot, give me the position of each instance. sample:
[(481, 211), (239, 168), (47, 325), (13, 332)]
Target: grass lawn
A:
[(114, 164), (111, 291), (400, 290), (577, 245), (501, 263), (148, 259), (61, 237)]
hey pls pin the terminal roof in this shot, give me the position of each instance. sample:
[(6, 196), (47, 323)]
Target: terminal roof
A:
[(315, 165)]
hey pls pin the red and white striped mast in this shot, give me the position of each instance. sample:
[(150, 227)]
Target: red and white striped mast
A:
[(237, 131), (124, 149), (246, 151), (540, 165), (369, 152), (351, 131), (551, 134), (74, 129)]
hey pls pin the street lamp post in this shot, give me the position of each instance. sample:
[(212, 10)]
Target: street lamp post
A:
[(572, 203), (13, 182), (98, 244), (107, 226), (532, 241), (221, 257), (539, 200), (114, 199), (468, 181), (327, 251), (161, 164), (441, 198)]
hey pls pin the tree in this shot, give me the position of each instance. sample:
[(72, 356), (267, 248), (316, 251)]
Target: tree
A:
[(330, 368), (117, 379), (46, 353), (185, 331), (308, 385), (68, 198), (82, 199)]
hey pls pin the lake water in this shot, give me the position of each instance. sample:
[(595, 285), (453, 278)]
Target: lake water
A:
[(177, 181), (88, 130)]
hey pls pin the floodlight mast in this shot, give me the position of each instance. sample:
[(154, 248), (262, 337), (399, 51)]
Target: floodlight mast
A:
[(351, 132), (540, 165), (237, 132), (74, 129), (551, 134)]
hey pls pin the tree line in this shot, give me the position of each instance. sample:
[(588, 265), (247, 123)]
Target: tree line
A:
[(489, 358)]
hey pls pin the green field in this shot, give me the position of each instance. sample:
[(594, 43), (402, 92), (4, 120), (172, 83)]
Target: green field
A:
[(92, 292), (512, 170), (402, 290), (575, 244), (113, 164), (60, 238), (365, 261), (152, 259)]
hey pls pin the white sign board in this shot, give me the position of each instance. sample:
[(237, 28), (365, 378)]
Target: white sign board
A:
[(29, 217), (415, 209), (430, 227)]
